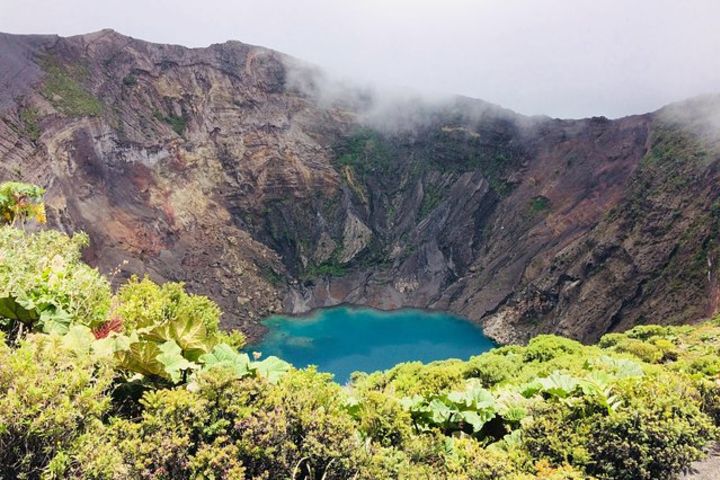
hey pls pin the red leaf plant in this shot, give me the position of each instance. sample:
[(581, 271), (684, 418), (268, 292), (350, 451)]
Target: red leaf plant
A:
[(115, 324)]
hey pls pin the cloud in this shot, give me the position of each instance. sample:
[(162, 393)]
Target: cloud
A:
[(566, 58), (388, 109)]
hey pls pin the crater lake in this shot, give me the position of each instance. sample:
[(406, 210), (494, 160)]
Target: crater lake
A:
[(342, 340)]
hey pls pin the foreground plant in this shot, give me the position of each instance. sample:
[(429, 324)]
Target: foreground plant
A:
[(21, 201), (44, 285), (148, 386)]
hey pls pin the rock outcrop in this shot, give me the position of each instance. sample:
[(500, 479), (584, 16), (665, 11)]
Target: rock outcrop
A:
[(235, 169)]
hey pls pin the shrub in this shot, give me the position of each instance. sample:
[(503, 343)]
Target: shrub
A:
[(546, 347), (29, 119), (647, 352), (301, 429), (129, 80), (493, 369), (382, 419), (19, 201), (557, 432), (539, 204), (646, 332), (657, 434), (145, 304), (180, 434), (44, 285), (48, 398), (415, 378), (466, 459)]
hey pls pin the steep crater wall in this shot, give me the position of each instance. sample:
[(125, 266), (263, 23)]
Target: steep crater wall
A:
[(230, 168)]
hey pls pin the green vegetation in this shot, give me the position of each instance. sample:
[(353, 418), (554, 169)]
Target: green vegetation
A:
[(63, 87), (446, 149), (20, 201), (461, 150), (539, 204), (365, 152), (44, 286), (178, 124), (129, 80), (145, 385), (430, 200), (678, 161), (272, 277), (29, 120), (329, 268)]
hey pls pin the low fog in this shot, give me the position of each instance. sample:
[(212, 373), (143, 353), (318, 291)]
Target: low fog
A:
[(571, 58)]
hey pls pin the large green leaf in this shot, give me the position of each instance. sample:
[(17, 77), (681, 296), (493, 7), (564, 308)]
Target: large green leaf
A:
[(559, 384), (79, 339), (174, 364), (10, 308), (189, 333), (440, 413), (225, 356), (476, 419), (474, 397), (530, 389), (55, 320), (141, 358), (271, 368), (412, 403), (620, 367), (107, 347)]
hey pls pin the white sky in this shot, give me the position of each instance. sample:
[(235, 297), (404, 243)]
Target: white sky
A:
[(566, 58)]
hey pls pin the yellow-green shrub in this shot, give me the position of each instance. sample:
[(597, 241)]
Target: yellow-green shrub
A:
[(48, 398), (44, 284)]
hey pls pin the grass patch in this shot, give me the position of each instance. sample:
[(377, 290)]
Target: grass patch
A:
[(539, 204), (329, 268), (29, 120), (365, 152), (431, 199), (63, 88), (178, 124)]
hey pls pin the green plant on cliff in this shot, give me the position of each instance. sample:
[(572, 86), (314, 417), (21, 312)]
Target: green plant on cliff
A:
[(29, 117), (63, 87), (130, 80), (329, 268), (178, 124), (332, 267), (539, 204), (432, 197), (366, 151)]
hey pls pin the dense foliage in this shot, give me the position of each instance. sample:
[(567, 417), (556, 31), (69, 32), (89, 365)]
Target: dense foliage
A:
[(145, 385), (20, 201), (44, 286)]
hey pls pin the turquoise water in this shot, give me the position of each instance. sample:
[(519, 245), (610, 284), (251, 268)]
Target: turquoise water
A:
[(342, 340)]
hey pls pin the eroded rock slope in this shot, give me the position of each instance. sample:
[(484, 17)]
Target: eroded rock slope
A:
[(238, 170)]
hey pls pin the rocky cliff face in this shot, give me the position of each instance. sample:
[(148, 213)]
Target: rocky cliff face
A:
[(233, 169)]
